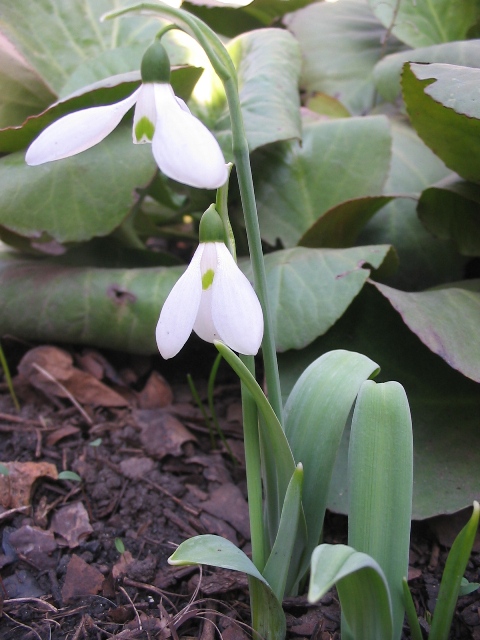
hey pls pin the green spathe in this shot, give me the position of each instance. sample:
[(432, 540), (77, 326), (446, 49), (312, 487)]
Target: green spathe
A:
[(155, 66), (211, 227)]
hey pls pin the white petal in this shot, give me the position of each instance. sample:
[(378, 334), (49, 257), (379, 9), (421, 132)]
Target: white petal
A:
[(145, 110), (184, 149), (77, 132), (204, 327), (236, 311), (180, 309)]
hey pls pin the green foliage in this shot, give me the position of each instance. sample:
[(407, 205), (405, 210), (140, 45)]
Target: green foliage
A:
[(330, 206)]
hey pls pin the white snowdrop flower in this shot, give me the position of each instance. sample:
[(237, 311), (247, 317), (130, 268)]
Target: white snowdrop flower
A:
[(214, 299), (183, 148)]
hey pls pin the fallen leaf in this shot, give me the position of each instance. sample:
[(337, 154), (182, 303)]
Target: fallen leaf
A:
[(135, 468), (59, 434), (156, 394), (72, 524), (35, 545), (227, 502), (16, 487), (81, 579), (51, 370), (161, 433)]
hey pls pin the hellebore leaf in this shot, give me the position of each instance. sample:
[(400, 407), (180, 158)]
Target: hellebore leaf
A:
[(297, 183), (423, 23), (341, 43), (442, 103)]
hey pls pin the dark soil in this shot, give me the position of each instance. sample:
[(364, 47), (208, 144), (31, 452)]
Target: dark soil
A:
[(88, 559)]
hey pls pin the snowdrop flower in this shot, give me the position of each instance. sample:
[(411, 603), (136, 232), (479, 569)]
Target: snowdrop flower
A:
[(212, 297), (184, 149)]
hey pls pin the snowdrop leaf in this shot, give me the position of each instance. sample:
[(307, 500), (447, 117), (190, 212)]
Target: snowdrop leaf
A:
[(219, 552), (361, 586)]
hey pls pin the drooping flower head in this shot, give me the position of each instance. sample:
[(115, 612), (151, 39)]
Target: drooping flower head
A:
[(183, 148), (212, 298)]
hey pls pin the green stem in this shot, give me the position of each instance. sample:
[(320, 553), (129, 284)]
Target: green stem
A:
[(253, 469), (244, 172)]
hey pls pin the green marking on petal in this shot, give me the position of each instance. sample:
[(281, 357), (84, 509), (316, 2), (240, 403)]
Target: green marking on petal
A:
[(144, 129), (207, 279)]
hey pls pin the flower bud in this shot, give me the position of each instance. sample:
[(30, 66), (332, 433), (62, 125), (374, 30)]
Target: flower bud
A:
[(155, 65), (211, 226)]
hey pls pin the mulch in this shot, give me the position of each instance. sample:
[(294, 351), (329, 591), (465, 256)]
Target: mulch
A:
[(87, 558)]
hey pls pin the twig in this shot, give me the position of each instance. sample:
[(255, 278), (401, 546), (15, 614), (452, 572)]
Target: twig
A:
[(65, 390)]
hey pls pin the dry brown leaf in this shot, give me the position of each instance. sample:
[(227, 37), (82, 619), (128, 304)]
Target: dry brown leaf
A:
[(156, 394), (83, 386), (81, 579), (72, 524), (16, 487), (161, 433)]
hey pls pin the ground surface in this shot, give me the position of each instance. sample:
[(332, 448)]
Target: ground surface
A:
[(88, 559)]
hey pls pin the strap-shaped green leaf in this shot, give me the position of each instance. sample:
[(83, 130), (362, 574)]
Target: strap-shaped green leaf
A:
[(380, 484), (315, 416), (361, 586), (278, 564), (452, 577), (268, 617)]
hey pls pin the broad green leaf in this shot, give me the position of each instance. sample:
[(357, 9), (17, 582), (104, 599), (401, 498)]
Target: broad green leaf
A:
[(337, 160), (309, 289), (341, 43), (442, 104), (424, 261), (387, 72), (269, 10), (65, 33), (315, 415), (426, 22), (278, 563), (339, 226), (22, 91), (361, 587), (446, 321), (452, 576), (268, 67), (219, 552), (380, 467), (450, 210), (445, 405), (78, 198), (111, 308)]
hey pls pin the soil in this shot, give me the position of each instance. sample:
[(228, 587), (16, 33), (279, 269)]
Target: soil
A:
[(86, 557)]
